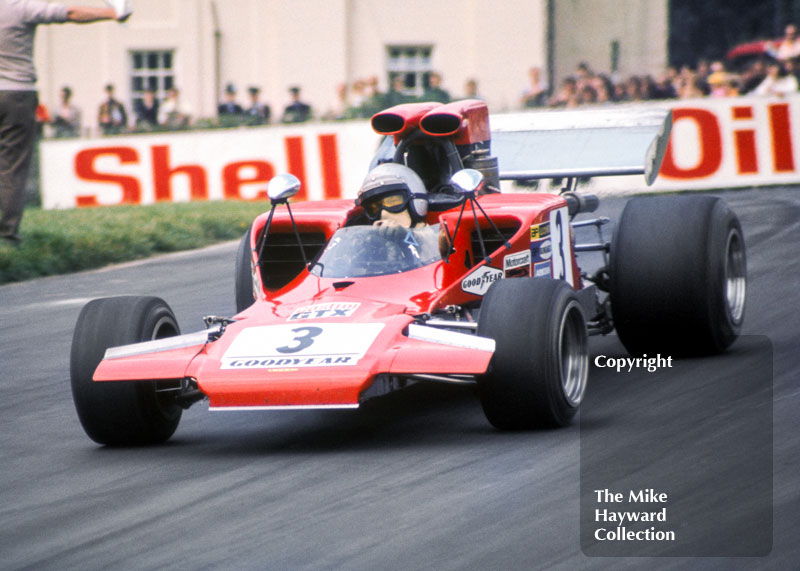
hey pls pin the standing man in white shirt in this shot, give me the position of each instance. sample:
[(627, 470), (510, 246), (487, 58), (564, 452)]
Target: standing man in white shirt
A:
[(18, 97), (789, 47)]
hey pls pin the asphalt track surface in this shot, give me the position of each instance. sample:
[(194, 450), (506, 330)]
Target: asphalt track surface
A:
[(415, 480)]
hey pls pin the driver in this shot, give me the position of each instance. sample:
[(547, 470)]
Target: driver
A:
[(394, 195)]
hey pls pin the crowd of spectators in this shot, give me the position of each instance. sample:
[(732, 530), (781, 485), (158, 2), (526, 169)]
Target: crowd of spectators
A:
[(170, 113), (775, 72), (363, 98)]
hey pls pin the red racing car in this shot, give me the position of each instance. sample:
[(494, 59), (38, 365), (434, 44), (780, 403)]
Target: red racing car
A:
[(336, 304)]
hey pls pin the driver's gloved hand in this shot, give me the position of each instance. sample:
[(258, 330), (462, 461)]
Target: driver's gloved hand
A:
[(390, 230)]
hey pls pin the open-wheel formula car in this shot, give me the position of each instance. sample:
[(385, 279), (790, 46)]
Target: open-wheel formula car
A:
[(483, 288)]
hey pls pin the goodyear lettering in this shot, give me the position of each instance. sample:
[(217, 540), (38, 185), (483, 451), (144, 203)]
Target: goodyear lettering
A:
[(273, 362), (478, 282)]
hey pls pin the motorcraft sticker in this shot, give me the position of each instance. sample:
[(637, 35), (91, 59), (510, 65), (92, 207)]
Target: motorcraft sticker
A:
[(478, 282), (517, 265), (300, 345), (322, 310)]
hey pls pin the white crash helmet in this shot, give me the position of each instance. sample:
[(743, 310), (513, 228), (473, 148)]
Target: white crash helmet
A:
[(395, 188)]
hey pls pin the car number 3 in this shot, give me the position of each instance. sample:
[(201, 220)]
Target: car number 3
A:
[(303, 339)]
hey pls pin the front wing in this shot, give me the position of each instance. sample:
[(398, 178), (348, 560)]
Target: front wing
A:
[(313, 365)]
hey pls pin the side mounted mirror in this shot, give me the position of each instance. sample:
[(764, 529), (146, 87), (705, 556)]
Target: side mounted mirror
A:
[(467, 181), (282, 187)]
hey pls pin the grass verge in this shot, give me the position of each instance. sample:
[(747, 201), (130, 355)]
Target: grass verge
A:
[(64, 241)]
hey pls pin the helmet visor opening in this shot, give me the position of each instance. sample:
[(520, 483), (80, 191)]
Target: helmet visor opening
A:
[(392, 198)]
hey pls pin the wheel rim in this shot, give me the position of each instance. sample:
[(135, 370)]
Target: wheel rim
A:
[(164, 327), (735, 277), (573, 354)]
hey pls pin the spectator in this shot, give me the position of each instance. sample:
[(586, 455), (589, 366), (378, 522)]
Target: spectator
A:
[(673, 77), (146, 110), (753, 76), (723, 84), (471, 89), (229, 111), (720, 82), (257, 113), (691, 85), (396, 94), (604, 88), (587, 95), (434, 91), (535, 94), (777, 82), (340, 108), (67, 122), (297, 111), (701, 76), (789, 47), (358, 97), (634, 89), (567, 95), (172, 112), (111, 116), (375, 99), (18, 97), (583, 76), (664, 87)]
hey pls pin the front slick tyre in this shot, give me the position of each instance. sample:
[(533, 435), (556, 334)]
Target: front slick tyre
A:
[(121, 413), (537, 376), (243, 275)]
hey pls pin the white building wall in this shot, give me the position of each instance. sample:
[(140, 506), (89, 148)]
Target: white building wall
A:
[(585, 29), (319, 44)]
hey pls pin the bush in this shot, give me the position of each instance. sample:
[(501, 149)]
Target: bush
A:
[(63, 241)]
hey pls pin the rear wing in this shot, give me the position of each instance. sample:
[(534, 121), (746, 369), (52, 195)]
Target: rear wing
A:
[(585, 143)]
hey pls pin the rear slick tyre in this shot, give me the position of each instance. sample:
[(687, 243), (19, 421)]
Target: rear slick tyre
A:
[(537, 376), (678, 275), (121, 413)]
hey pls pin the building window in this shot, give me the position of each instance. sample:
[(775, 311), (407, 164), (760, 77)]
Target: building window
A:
[(151, 69), (413, 64)]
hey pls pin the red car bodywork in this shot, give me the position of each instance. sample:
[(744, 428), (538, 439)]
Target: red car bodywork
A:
[(378, 320)]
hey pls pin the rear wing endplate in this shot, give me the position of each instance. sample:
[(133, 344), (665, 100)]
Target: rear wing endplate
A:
[(585, 143)]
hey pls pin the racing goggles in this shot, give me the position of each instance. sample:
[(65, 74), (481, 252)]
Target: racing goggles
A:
[(392, 198)]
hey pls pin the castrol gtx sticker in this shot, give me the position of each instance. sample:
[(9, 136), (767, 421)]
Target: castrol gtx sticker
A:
[(320, 310), (300, 345), (478, 282)]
